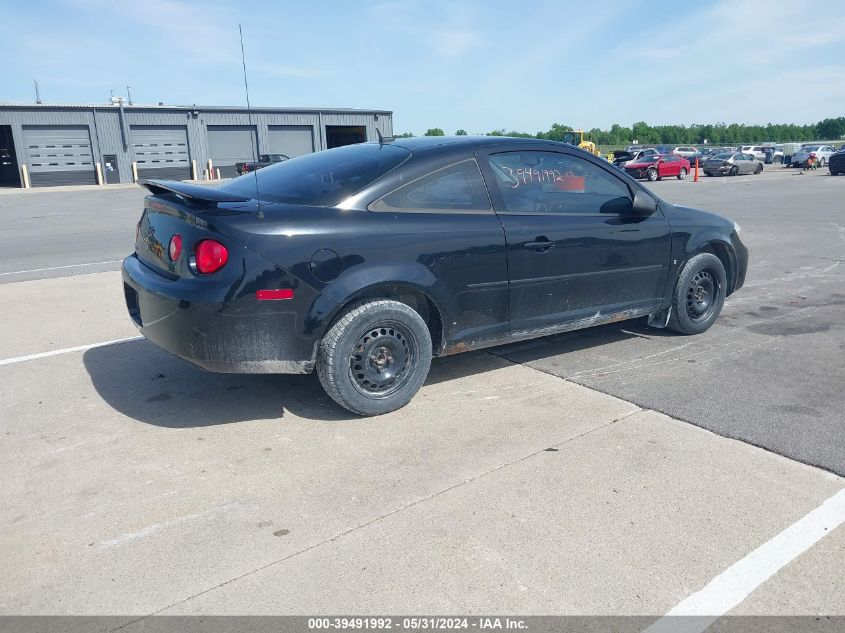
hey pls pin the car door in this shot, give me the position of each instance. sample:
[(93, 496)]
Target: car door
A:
[(575, 251), (749, 164), (671, 166)]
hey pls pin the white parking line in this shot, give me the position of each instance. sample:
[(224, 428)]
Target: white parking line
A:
[(66, 350), (734, 585), (40, 270)]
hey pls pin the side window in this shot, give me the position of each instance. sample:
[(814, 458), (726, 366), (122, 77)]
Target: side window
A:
[(671, 159), (551, 182), (458, 187)]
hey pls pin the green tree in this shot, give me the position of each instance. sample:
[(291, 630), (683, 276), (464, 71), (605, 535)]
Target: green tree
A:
[(832, 129), (434, 131), (405, 135), (461, 132)]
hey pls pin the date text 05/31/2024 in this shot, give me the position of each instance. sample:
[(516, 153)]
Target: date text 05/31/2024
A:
[(415, 623)]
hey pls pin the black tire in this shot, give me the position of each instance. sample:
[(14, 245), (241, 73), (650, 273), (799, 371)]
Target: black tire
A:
[(734, 171), (682, 174), (821, 162), (699, 294), (651, 174), (361, 347), (759, 169)]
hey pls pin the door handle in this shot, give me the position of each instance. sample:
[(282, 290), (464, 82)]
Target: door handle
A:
[(541, 244)]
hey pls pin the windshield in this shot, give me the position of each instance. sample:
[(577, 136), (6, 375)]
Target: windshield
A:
[(724, 156), (323, 178), (810, 148), (651, 158)]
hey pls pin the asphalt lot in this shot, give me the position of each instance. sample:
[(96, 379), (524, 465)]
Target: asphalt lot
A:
[(138, 485)]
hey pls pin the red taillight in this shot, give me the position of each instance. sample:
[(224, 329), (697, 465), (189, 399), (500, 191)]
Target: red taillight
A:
[(175, 248), (211, 256)]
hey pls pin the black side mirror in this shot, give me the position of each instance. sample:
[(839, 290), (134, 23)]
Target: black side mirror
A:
[(644, 205)]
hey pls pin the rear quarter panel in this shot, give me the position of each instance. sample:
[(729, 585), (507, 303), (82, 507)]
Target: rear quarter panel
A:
[(457, 260)]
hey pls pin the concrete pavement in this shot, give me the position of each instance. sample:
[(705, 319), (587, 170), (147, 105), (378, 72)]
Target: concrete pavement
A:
[(138, 485)]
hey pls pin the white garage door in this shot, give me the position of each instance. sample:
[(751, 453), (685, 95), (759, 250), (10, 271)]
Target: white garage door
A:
[(59, 155), (290, 140), (161, 151), (230, 144)]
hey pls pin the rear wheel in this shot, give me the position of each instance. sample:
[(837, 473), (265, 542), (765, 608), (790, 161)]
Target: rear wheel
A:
[(682, 174), (699, 294), (821, 163), (375, 357)]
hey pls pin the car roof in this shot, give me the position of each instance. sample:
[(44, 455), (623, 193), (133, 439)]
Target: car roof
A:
[(423, 142)]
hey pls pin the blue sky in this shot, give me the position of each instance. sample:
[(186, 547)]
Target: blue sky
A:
[(457, 64)]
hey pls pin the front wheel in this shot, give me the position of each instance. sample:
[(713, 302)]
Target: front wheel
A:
[(734, 170), (375, 357), (682, 174), (759, 169), (651, 174), (699, 294)]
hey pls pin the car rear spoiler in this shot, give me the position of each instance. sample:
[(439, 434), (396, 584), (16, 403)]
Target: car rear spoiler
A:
[(208, 193)]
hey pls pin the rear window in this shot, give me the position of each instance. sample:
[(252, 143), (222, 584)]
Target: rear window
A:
[(322, 179)]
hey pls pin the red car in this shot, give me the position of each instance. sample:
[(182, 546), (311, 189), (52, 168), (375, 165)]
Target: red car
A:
[(659, 166)]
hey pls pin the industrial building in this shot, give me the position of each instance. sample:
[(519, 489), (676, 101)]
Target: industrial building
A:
[(49, 145)]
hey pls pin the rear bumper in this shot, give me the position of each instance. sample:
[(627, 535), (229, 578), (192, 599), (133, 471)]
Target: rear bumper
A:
[(220, 329)]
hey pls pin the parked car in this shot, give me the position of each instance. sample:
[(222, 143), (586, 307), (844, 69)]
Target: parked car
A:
[(753, 150), (685, 151), (821, 153), (263, 161), (635, 148), (836, 163), (364, 261), (732, 164), (620, 158), (707, 152), (658, 166)]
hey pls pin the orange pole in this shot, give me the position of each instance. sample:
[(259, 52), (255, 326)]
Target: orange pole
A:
[(696, 171)]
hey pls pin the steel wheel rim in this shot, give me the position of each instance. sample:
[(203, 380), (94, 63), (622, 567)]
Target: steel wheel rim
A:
[(702, 295), (382, 358)]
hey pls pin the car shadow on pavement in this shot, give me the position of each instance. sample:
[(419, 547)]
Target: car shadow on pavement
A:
[(149, 385)]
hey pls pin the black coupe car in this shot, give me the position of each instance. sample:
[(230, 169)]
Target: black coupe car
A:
[(367, 260)]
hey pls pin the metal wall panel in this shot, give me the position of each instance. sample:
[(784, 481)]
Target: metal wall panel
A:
[(108, 137), (230, 144), (290, 140), (60, 155), (161, 151)]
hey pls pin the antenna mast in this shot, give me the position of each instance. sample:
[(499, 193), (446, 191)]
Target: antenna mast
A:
[(253, 139)]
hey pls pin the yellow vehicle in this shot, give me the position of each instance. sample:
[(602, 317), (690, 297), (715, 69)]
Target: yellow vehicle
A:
[(576, 137)]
